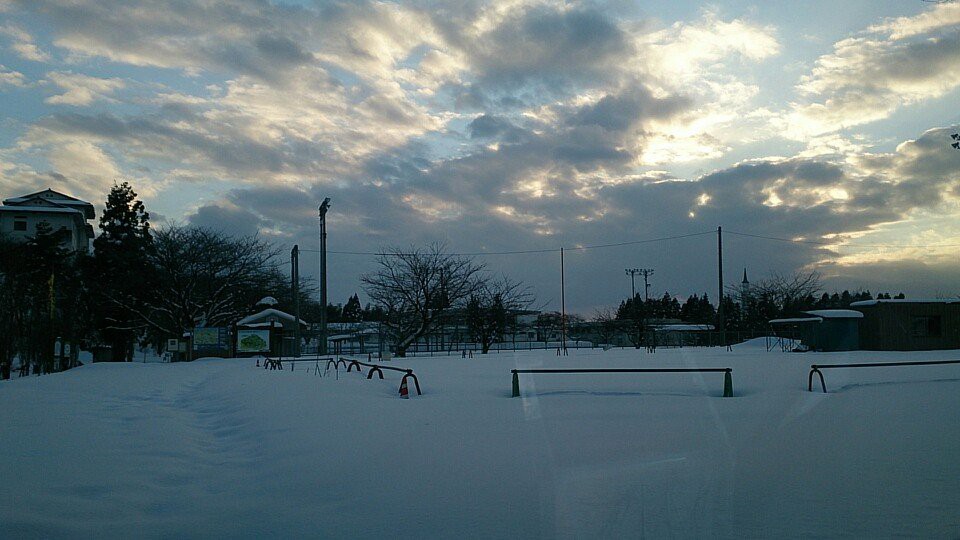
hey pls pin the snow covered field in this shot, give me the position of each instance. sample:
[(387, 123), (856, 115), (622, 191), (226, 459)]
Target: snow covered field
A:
[(221, 448)]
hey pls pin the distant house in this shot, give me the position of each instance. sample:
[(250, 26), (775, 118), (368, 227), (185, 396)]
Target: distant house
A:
[(909, 325), (67, 216)]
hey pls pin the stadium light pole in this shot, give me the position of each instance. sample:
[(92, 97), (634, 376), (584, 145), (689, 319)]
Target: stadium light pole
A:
[(632, 272), (322, 347)]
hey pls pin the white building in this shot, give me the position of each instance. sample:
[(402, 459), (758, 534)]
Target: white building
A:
[(66, 215)]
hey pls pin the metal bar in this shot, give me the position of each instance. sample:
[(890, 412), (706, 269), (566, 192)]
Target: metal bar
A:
[(883, 364), (648, 370), (727, 378), (815, 368)]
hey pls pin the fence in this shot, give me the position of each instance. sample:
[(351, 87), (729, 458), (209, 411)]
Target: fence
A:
[(815, 368), (727, 374), (435, 344)]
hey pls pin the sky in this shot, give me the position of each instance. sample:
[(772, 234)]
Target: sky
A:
[(509, 126)]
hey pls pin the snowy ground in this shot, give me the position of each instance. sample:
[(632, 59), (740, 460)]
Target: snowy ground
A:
[(220, 448)]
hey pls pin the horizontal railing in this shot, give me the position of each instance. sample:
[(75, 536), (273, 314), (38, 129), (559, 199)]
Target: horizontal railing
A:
[(815, 368), (727, 377)]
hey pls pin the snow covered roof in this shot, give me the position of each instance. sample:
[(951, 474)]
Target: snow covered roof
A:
[(795, 320), (835, 313), (863, 303), (683, 327), (45, 194), (49, 197), (267, 301), (270, 312), (44, 209)]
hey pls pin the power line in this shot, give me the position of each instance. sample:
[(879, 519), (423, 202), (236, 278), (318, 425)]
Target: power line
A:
[(529, 251)]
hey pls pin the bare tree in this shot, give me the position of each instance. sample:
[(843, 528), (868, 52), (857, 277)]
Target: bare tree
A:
[(414, 287), (782, 289), (607, 325), (202, 278), (490, 308)]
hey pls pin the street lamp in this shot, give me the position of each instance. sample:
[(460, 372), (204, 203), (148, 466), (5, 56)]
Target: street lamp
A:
[(324, 206)]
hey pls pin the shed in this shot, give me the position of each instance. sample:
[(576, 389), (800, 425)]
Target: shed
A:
[(910, 325), (826, 329), (270, 331)]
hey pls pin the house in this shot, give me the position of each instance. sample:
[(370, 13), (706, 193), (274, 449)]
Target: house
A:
[(909, 325), (824, 329), (66, 215)]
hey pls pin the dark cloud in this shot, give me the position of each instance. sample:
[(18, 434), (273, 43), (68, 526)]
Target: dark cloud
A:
[(620, 112), (488, 126), (227, 219), (282, 49), (541, 52)]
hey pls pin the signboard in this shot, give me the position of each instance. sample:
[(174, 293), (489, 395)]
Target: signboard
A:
[(209, 339), (173, 344), (253, 341)]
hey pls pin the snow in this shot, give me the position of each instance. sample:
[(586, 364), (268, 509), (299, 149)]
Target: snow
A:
[(862, 303), (795, 320), (45, 209), (221, 448), (836, 313), (270, 312), (682, 327)]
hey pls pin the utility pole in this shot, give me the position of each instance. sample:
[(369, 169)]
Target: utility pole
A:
[(563, 307), (322, 348), (723, 331), (295, 286)]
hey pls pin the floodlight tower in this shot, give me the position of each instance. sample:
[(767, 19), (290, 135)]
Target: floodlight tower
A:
[(632, 272), (647, 272), (322, 347)]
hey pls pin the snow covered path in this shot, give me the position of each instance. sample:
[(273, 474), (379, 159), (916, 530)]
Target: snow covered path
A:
[(220, 448)]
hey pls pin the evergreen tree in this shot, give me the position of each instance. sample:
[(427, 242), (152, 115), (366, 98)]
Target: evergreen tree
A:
[(121, 269), (352, 312)]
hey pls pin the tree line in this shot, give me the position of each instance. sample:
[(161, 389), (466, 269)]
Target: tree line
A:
[(138, 286), (142, 286)]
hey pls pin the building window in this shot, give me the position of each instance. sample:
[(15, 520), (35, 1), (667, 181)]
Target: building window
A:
[(926, 326), (19, 224)]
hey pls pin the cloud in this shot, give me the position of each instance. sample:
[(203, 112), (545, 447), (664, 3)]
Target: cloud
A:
[(491, 125), (9, 77), (942, 15), (868, 77), (23, 43), (80, 90), (226, 218)]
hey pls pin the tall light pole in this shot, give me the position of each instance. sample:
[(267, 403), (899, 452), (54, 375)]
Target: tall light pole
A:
[(295, 286), (720, 315), (322, 348), (647, 272), (632, 272)]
